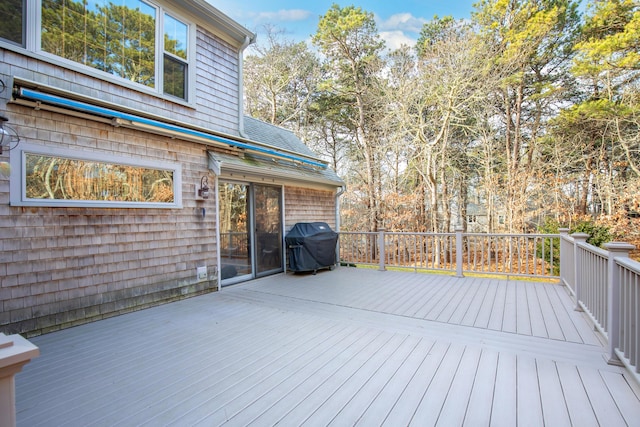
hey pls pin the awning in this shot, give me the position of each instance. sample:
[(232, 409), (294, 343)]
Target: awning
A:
[(256, 168), (119, 118)]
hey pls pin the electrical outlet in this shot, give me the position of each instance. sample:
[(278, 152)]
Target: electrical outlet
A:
[(201, 273)]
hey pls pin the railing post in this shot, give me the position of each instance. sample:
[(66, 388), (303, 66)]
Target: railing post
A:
[(577, 265), (15, 352), (459, 230), (564, 232), (616, 250), (381, 249)]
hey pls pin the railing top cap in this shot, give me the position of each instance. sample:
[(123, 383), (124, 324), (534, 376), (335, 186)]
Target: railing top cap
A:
[(580, 235), (619, 246)]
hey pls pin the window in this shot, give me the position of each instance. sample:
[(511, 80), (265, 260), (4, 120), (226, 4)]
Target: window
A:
[(117, 37), (472, 219), (63, 178), (175, 56), (13, 17)]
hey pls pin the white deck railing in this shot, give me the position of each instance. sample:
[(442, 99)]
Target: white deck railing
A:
[(605, 283), (531, 255), (627, 275), (567, 262)]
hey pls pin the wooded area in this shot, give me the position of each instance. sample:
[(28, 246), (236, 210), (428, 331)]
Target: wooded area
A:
[(525, 116)]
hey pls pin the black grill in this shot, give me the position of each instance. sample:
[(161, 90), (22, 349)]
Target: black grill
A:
[(311, 246)]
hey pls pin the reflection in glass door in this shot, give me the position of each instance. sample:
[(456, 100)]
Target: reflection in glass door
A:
[(245, 208), (268, 222), (235, 232)]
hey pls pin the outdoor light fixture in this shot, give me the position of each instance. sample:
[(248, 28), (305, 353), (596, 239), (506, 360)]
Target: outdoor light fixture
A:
[(203, 191), (9, 138)]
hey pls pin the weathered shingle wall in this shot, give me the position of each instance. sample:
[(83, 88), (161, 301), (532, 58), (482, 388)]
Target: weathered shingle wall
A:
[(216, 87), (63, 266), (309, 205)]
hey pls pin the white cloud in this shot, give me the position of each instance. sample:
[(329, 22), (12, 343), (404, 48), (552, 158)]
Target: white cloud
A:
[(395, 39), (404, 22), (283, 15)]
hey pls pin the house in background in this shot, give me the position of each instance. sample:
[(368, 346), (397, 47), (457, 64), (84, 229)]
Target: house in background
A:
[(137, 179)]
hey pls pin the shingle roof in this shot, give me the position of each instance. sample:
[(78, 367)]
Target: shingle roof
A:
[(275, 136), (278, 138)]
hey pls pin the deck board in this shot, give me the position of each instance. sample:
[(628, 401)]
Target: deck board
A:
[(404, 408), (435, 395), (554, 331), (529, 405), (332, 384), (470, 317), (484, 314), (292, 398), (346, 347), (602, 403), (551, 395), (523, 318), (497, 310), (361, 401), (382, 405), (504, 407), (479, 408), (580, 410), (374, 370), (454, 409)]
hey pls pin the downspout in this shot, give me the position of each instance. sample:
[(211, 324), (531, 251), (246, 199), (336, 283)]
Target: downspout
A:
[(215, 168), (216, 186), (339, 193), (247, 42)]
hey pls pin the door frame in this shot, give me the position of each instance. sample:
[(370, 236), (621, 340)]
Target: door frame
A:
[(251, 218)]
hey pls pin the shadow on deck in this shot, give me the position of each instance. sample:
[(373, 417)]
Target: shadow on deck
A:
[(344, 347)]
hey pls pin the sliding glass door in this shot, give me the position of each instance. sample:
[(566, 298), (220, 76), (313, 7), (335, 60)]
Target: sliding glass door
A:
[(235, 232), (268, 226), (250, 231)]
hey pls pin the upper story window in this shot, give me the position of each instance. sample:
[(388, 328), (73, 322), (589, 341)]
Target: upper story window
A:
[(134, 40), (176, 40), (12, 28)]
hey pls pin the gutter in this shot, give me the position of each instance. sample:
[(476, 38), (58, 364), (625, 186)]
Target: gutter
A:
[(339, 193)]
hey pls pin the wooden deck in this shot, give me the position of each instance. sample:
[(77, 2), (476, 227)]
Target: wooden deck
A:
[(343, 347)]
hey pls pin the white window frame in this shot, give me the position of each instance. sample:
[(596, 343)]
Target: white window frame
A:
[(18, 183), (32, 44)]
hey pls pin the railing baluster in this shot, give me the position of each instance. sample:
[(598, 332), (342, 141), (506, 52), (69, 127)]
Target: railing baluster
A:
[(509, 255)]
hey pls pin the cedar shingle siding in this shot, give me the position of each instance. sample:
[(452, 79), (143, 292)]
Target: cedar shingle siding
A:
[(64, 266), (309, 205)]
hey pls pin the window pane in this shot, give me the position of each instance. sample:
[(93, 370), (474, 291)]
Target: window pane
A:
[(175, 77), (59, 178), (12, 27), (175, 37), (113, 36)]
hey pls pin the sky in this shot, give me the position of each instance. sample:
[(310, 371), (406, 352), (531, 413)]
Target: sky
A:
[(398, 22)]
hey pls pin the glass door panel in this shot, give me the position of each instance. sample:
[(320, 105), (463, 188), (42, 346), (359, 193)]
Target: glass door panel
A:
[(235, 232), (268, 223)]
